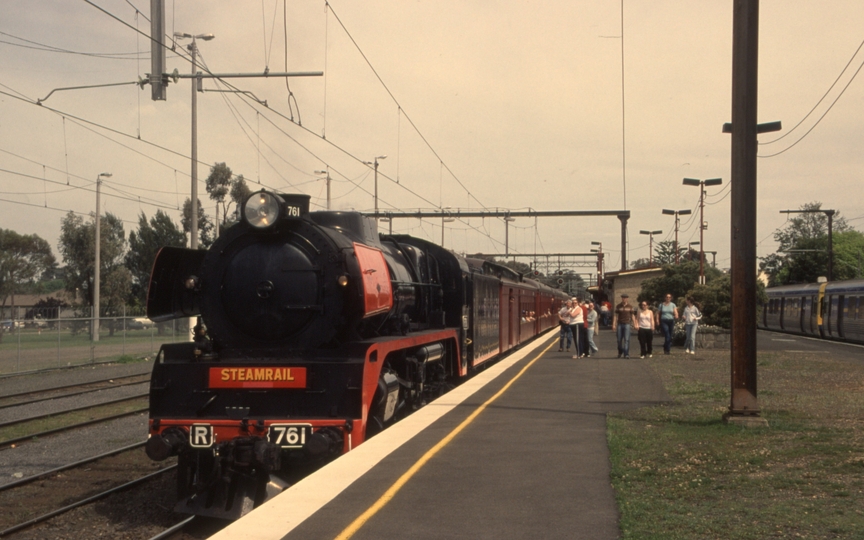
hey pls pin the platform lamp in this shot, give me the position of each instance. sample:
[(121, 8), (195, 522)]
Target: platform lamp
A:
[(96, 258), (507, 220), (650, 245), (701, 184), (599, 252), (326, 179), (676, 213), (374, 163)]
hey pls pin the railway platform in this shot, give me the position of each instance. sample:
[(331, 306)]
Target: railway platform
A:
[(519, 451)]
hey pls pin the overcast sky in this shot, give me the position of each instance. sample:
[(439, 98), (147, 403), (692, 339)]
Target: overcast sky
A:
[(507, 105)]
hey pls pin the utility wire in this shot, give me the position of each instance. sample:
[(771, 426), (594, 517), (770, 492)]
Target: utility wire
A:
[(823, 96)]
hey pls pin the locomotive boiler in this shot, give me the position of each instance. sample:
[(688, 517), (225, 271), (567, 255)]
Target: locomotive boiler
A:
[(313, 333)]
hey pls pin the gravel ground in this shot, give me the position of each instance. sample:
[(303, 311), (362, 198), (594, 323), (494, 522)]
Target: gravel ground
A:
[(73, 402), (54, 451), (14, 384)]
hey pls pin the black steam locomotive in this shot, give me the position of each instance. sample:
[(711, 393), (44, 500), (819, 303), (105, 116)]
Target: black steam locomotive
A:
[(314, 334)]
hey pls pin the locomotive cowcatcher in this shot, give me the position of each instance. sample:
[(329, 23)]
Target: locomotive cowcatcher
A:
[(313, 333)]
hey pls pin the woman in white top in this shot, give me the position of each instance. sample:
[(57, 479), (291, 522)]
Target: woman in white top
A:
[(691, 321), (645, 320)]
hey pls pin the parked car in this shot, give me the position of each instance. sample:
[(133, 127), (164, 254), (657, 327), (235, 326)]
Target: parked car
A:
[(9, 325), (37, 322), (139, 323)]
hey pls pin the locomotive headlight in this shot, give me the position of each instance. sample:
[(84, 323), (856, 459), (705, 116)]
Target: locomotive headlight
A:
[(262, 209)]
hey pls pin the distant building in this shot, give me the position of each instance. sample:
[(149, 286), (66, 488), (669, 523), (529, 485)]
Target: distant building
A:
[(628, 281)]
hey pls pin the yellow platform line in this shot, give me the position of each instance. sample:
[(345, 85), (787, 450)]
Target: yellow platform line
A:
[(388, 495)]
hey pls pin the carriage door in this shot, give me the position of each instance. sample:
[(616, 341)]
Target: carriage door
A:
[(841, 314), (512, 319), (782, 312)]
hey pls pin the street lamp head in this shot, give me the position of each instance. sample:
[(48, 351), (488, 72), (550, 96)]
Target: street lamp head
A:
[(669, 212), (713, 181), (105, 174), (691, 182), (684, 212), (596, 243), (205, 37), (381, 157), (182, 35), (644, 232), (594, 251), (694, 243), (656, 232), (320, 172)]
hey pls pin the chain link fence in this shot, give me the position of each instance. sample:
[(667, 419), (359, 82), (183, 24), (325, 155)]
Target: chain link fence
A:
[(58, 337)]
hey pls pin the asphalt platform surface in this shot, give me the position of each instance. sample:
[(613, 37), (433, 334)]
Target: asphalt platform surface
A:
[(533, 463)]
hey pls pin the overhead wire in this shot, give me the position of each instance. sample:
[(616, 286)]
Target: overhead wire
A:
[(291, 119), (842, 71)]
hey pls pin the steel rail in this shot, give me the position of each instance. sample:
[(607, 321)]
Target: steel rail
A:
[(9, 442), (88, 500), (77, 409), (84, 461), (65, 386), (22, 403), (174, 529)]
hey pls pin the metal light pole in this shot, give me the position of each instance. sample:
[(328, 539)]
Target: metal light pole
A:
[(599, 252), (96, 259), (374, 163), (702, 184), (507, 220), (676, 213), (650, 245), (196, 81), (327, 179)]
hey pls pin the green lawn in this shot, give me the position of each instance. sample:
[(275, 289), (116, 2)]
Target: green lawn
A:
[(680, 472)]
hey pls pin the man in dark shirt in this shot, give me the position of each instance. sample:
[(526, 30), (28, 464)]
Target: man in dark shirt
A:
[(621, 322)]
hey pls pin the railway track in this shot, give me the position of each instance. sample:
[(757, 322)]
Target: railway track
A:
[(82, 500), (57, 392)]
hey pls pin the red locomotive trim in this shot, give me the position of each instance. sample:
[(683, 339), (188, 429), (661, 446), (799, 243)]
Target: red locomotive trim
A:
[(257, 377), (377, 290), (376, 354)]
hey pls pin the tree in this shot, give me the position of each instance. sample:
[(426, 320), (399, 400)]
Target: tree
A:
[(144, 244), (848, 255), (77, 241), (664, 252), (641, 263), (221, 184), (802, 256), (205, 226), (676, 280), (715, 300), (23, 258)]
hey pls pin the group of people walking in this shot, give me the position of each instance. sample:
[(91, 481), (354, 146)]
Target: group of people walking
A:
[(579, 324), (648, 320)]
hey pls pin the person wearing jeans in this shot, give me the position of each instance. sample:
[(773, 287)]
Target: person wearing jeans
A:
[(592, 322), (621, 322), (667, 313), (691, 321)]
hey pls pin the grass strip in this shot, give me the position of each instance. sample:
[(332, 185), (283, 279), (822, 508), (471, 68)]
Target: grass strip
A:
[(679, 472)]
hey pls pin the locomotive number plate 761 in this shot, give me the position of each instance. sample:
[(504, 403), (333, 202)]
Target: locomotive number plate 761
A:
[(289, 435)]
